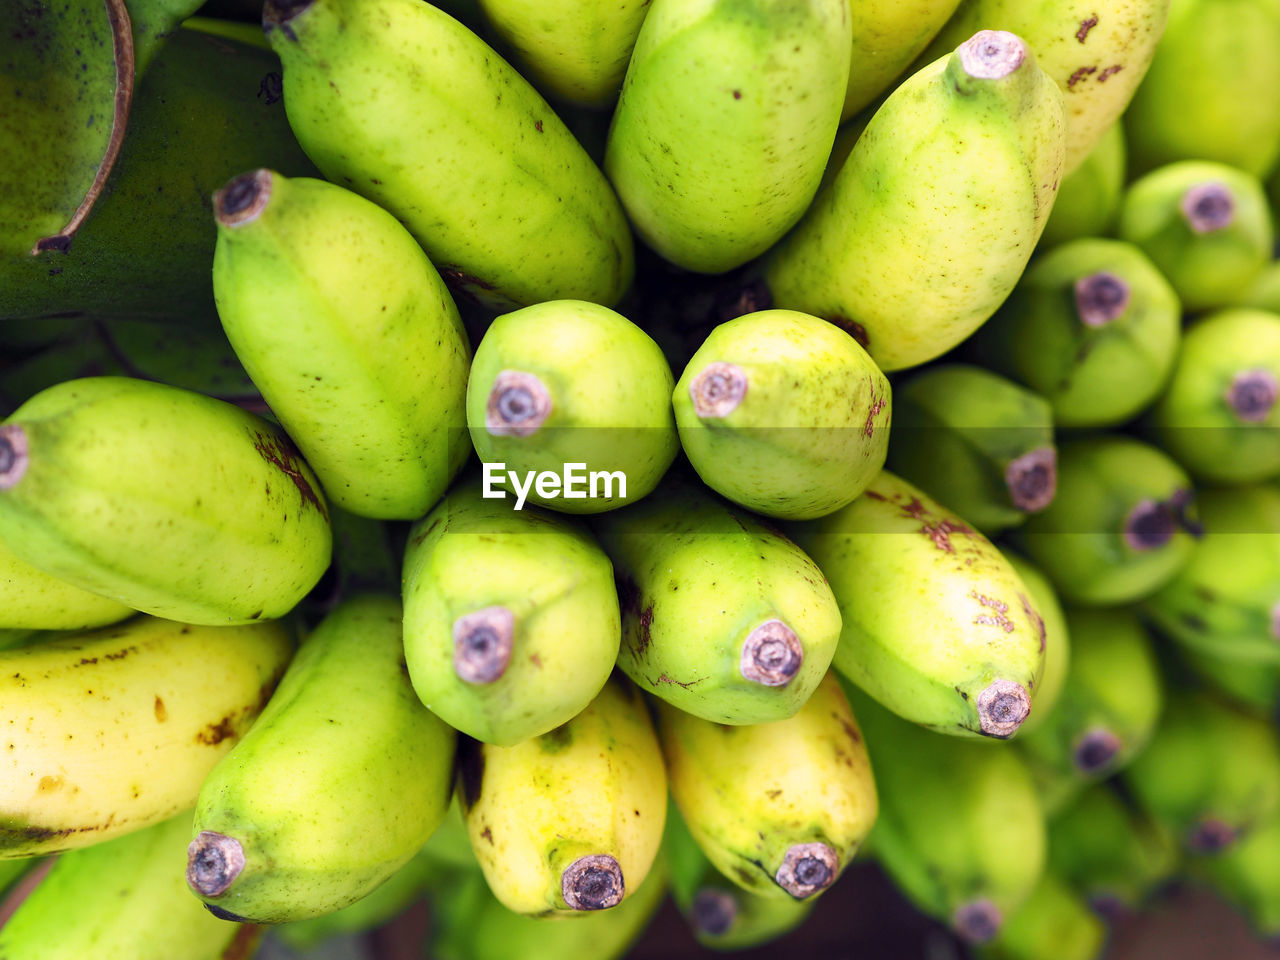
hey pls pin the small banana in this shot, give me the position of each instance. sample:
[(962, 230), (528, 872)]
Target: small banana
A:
[(344, 742), (1053, 923), (571, 820), (163, 700), (887, 36), (32, 600), (1089, 198)]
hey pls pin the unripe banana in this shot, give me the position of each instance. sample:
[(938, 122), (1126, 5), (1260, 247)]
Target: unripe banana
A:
[(1120, 526), (937, 626), (1092, 326), (32, 600), (123, 900), (960, 832), (511, 618), (1247, 683), (1053, 923), (1089, 198), (1097, 51), (976, 442), (931, 219), (721, 615), (784, 414), (780, 808), (168, 501), (571, 820), (1247, 877), (1220, 415), (513, 212), (1213, 91), (1211, 773), (725, 122), (163, 700), (1057, 639), (350, 334), (887, 36), (1206, 225), (570, 382), (273, 838), (576, 51)]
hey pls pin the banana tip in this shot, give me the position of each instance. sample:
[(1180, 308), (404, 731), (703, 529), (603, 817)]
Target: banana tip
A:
[(992, 54), (593, 882), (13, 455), (771, 655), (1032, 479), (1208, 207), (1211, 835), (1002, 707), (519, 403), (977, 922), (214, 860), (1150, 525), (242, 198), (1096, 750), (718, 389), (1253, 395), (807, 868), (1101, 298), (482, 644), (713, 911)]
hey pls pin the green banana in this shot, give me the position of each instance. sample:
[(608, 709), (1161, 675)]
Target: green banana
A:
[(1220, 414), (1089, 198), (937, 625), (1213, 91), (511, 621), (1097, 51), (976, 442), (575, 51), (961, 832), (273, 835), (1225, 603), (163, 700), (724, 124), (1110, 704), (1264, 292), (721, 914), (779, 808), (571, 820), (784, 414), (122, 900), (12, 871), (721, 615), (887, 36), (1210, 774), (1053, 923), (513, 212), (91, 469), (336, 313), (571, 383), (1093, 327), (1206, 225), (931, 219), (207, 109), (1057, 638), (1246, 876), (33, 600), (1121, 525), (1247, 683)]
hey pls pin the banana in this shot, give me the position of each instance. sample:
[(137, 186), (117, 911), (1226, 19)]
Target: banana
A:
[(1264, 292), (1246, 683), (571, 820), (32, 600), (575, 51), (1110, 703), (1213, 91), (513, 212), (1093, 327), (1089, 197), (721, 615), (1053, 923), (1246, 876), (511, 621), (570, 382), (162, 700), (887, 36), (272, 835), (1057, 638), (163, 499), (1210, 774), (12, 871), (721, 914), (1121, 525), (937, 626), (784, 414), (1097, 51), (336, 312), (931, 219), (724, 124), (976, 442), (1206, 225), (207, 108), (1225, 603), (960, 832), (122, 900), (1220, 413), (779, 808)]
